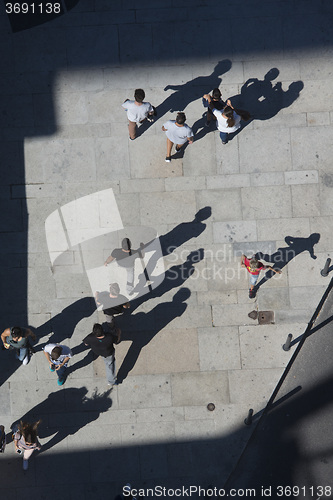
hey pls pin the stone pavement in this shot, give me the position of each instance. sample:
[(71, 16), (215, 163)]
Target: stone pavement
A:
[(64, 136)]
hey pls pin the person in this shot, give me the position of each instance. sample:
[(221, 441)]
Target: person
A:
[(101, 342), (178, 133), (125, 257), (112, 303), (58, 357), (137, 112), (26, 440), (254, 266), (17, 338), (228, 121), (217, 103)]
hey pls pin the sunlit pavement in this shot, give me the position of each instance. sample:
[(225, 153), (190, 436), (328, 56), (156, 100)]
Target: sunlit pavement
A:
[(64, 136)]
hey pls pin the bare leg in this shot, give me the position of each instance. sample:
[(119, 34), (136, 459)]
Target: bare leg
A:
[(132, 129), (169, 147)]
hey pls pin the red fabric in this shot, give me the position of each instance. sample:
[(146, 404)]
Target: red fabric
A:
[(257, 271)]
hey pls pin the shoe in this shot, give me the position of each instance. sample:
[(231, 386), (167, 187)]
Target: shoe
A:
[(61, 381), (168, 159), (178, 149), (252, 294), (52, 369), (26, 360), (224, 142), (150, 119), (25, 464), (207, 124), (130, 138)]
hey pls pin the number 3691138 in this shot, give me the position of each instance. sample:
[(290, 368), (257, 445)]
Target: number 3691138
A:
[(33, 8)]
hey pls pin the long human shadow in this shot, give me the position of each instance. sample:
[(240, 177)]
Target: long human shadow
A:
[(62, 325), (65, 412), (175, 238), (148, 325), (263, 98), (284, 255), (188, 92), (174, 278)]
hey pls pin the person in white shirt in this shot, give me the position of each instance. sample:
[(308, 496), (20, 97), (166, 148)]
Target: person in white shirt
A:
[(228, 121), (137, 112), (178, 133), (58, 357)]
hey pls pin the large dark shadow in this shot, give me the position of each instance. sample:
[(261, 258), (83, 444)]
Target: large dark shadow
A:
[(31, 61), (64, 412), (263, 99), (284, 255), (291, 445), (188, 92), (147, 325), (175, 238), (175, 277), (62, 325)]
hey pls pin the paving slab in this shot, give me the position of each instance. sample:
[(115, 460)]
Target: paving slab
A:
[(281, 160), (199, 388), (253, 386), (266, 202), (262, 347), (64, 135), (219, 348)]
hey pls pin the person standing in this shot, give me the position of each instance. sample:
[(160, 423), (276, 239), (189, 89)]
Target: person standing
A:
[(137, 112), (228, 121), (216, 103), (26, 440), (178, 133), (125, 257), (58, 357), (17, 338), (101, 342), (112, 302), (254, 266)]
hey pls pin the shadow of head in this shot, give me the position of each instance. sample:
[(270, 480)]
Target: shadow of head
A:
[(182, 295), (203, 214), (272, 74), (222, 66)]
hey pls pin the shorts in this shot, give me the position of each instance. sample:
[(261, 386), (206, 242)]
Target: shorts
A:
[(253, 279)]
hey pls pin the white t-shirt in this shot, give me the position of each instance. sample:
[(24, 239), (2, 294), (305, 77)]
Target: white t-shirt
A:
[(176, 134), (66, 353), (222, 123), (137, 113)]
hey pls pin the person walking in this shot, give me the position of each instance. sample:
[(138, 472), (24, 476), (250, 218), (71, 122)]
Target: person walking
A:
[(254, 266), (178, 133), (58, 357), (216, 103), (137, 112), (112, 303), (101, 341), (125, 257), (17, 338), (26, 440)]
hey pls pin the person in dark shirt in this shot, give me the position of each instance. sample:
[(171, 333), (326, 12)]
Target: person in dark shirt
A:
[(125, 257), (112, 302), (101, 342), (216, 102), (18, 338)]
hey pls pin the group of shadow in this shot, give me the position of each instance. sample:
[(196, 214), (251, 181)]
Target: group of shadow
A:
[(263, 99), (139, 328)]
